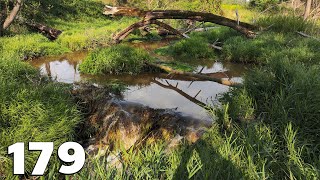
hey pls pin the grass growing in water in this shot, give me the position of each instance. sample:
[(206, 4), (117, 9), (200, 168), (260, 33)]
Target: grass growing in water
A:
[(115, 60)]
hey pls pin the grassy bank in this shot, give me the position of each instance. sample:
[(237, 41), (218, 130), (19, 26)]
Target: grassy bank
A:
[(32, 109)]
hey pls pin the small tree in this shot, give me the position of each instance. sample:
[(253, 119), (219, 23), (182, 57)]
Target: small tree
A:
[(9, 11)]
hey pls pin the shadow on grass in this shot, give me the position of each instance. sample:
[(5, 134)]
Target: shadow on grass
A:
[(202, 161)]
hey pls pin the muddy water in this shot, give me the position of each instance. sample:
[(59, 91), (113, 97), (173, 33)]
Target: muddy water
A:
[(152, 89)]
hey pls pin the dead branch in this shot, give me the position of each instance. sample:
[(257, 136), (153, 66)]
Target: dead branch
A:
[(307, 36), (182, 93), (124, 33), (241, 27), (47, 31)]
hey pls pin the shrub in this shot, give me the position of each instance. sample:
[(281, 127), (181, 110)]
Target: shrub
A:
[(115, 60)]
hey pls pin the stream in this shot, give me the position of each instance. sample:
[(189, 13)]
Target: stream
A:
[(155, 90)]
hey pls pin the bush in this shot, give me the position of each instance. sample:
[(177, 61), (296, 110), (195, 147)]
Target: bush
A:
[(115, 60)]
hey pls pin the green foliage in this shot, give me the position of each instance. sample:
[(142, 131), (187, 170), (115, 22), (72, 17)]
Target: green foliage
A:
[(32, 110), (293, 90), (264, 4), (241, 105), (271, 46), (29, 46), (288, 24), (285, 97), (63, 9), (180, 66), (115, 60), (195, 47)]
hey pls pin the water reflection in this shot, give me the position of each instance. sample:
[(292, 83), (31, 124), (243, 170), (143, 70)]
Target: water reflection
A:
[(183, 94)]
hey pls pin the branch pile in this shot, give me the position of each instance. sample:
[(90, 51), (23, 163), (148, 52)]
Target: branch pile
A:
[(152, 17)]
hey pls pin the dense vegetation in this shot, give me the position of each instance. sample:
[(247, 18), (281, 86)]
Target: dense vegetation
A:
[(268, 129)]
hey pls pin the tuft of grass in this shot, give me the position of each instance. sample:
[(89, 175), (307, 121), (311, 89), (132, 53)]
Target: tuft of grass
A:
[(193, 48), (115, 60)]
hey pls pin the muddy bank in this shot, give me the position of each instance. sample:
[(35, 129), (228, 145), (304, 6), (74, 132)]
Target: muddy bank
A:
[(113, 122)]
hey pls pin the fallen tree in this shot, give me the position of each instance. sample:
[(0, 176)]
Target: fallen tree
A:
[(9, 13), (152, 17), (45, 30), (223, 81)]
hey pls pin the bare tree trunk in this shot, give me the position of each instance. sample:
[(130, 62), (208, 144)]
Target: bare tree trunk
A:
[(3, 16), (13, 14), (6, 20), (307, 9)]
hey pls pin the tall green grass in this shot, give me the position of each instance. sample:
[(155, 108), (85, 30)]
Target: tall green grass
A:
[(189, 49), (32, 109), (288, 24), (271, 46)]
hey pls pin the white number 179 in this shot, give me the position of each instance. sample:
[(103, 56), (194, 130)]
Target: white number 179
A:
[(46, 148)]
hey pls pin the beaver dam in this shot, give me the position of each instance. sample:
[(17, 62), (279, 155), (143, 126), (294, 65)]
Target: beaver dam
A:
[(156, 90)]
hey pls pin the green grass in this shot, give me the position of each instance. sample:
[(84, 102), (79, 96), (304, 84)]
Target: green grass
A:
[(288, 24), (116, 59), (189, 49), (32, 109), (271, 46)]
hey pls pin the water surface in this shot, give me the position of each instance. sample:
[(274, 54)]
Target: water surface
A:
[(155, 90)]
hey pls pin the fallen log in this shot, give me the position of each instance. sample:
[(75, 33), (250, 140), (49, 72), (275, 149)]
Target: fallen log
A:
[(241, 27), (47, 31), (169, 70), (124, 33)]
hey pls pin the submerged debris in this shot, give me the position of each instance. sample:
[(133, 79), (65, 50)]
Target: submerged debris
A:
[(114, 122)]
